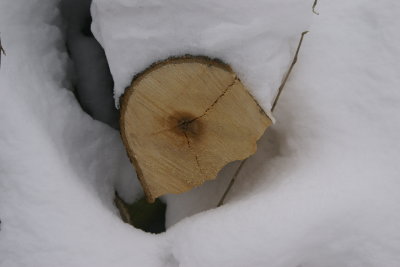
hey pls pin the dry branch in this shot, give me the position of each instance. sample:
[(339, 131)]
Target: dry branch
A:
[(286, 77), (1, 51), (314, 6)]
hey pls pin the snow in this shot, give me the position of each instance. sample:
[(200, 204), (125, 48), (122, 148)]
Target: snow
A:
[(255, 38), (322, 190), (58, 166), (93, 82)]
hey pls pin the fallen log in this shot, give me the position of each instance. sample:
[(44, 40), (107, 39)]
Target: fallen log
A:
[(185, 118)]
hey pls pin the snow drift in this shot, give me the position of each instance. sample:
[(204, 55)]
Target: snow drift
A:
[(322, 190), (256, 38)]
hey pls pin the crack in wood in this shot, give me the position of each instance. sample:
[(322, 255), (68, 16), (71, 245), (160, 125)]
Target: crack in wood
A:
[(191, 149), (218, 98), (185, 124)]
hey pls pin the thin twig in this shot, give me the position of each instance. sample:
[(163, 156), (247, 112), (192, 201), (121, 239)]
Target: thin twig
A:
[(313, 7), (1, 50), (272, 109), (125, 216), (231, 183), (288, 72)]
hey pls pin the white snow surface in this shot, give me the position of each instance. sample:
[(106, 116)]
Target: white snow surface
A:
[(322, 190), (255, 37), (58, 167)]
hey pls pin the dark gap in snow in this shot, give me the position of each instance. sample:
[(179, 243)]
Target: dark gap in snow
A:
[(93, 82), (86, 29), (149, 217), (93, 88)]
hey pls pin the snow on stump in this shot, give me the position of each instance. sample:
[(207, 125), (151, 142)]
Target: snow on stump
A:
[(185, 118)]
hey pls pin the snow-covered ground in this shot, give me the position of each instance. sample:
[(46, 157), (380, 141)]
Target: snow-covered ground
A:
[(322, 190), (255, 38)]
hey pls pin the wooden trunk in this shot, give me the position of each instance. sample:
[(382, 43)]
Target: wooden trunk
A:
[(185, 118)]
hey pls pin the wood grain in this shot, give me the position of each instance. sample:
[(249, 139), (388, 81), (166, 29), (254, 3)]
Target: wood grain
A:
[(185, 118)]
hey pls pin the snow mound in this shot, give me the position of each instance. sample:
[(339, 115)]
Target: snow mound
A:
[(322, 190), (58, 167), (256, 38)]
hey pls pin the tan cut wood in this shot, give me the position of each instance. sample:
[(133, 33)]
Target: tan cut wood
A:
[(185, 118)]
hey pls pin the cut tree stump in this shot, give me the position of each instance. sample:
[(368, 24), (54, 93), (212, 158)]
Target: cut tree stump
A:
[(185, 118)]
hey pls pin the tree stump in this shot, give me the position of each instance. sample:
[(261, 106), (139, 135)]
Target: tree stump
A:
[(185, 118)]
